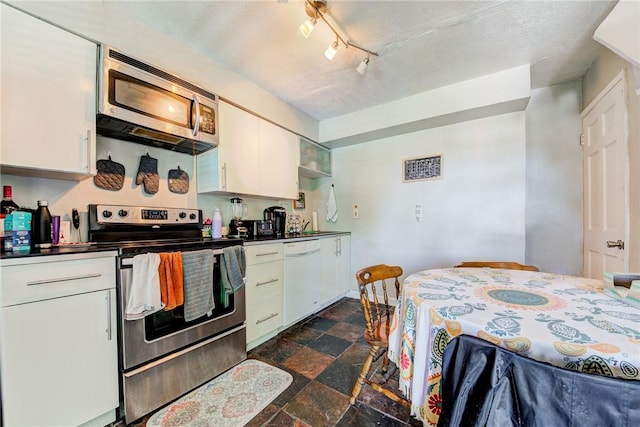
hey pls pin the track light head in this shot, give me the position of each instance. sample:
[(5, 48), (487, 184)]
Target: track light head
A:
[(307, 27), (331, 51), (362, 67)]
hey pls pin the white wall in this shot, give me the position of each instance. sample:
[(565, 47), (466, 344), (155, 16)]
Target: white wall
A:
[(554, 179), (476, 211)]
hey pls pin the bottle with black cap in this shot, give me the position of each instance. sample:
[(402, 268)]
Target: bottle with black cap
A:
[(42, 226)]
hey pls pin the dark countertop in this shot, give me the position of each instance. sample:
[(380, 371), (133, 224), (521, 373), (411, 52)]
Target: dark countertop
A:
[(293, 237), (102, 247)]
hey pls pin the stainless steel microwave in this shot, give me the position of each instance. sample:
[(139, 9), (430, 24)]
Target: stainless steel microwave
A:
[(140, 103)]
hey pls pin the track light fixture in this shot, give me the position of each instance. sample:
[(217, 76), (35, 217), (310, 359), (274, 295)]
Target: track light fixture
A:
[(317, 9)]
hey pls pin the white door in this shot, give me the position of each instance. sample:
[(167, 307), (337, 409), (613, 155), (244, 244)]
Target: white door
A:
[(605, 181)]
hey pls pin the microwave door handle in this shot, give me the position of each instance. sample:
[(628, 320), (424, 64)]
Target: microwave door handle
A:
[(196, 105)]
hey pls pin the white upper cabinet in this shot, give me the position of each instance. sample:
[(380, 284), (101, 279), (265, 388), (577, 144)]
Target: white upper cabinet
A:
[(254, 157), (48, 115), (232, 167), (279, 158)]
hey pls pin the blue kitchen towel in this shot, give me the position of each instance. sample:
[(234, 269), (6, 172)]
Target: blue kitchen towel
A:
[(197, 267), (233, 267)]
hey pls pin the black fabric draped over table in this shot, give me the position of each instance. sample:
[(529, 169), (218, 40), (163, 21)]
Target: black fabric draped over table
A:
[(486, 385)]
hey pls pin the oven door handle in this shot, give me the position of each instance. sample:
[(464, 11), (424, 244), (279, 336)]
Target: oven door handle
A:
[(127, 262)]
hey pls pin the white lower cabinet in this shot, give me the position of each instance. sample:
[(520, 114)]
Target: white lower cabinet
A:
[(264, 292), (345, 281), (58, 340), (336, 268)]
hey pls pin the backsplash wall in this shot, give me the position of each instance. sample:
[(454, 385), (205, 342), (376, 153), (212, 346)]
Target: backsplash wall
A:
[(63, 196)]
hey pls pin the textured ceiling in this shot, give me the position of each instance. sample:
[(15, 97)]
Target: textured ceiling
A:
[(422, 45)]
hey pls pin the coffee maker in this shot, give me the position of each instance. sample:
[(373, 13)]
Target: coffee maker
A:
[(277, 215)]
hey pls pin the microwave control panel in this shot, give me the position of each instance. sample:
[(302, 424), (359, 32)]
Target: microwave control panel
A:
[(207, 119)]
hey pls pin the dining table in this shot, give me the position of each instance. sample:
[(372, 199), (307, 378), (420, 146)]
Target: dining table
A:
[(565, 321)]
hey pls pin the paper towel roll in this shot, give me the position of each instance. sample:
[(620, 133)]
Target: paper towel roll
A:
[(314, 221)]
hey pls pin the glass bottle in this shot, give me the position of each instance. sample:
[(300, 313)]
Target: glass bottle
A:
[(42, 226), (7, 205)]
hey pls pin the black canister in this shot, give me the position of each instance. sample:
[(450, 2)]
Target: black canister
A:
[(42, 226)]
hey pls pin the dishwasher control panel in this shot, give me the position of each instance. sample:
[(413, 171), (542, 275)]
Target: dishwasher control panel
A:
[(304, 247)]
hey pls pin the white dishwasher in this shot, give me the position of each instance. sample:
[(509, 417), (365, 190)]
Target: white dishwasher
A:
[(302, 280)]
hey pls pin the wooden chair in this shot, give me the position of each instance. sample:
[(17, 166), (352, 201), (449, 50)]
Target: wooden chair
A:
[(372, 282), (498, 264)]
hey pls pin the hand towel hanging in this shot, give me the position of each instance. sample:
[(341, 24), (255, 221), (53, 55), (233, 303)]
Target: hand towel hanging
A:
[(332, 206), (143, 296), (197, 269)]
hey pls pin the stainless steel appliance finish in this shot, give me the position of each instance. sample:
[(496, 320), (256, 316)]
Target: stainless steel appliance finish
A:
[(162, 356), (278, 215), (140, 103), (263, 228)]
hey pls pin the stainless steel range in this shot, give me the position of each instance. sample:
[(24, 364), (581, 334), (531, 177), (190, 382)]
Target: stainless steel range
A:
[(163, 356)]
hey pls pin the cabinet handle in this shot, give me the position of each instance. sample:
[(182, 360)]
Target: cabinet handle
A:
[(64, 279), (267, 282), (268, 253), (224, 176), (271, 316), (108, 330), (340, 246), (196, 105), (85, 156)]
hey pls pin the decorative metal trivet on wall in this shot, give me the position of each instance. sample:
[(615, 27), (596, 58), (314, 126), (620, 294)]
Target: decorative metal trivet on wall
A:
[(422, 168)]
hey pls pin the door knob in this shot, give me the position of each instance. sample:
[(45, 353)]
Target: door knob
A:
[(615, 244)]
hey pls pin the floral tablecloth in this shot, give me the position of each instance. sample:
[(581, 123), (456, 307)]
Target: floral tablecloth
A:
[(563, 320)]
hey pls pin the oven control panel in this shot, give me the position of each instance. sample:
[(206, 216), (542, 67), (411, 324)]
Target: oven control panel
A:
[(137, 215)]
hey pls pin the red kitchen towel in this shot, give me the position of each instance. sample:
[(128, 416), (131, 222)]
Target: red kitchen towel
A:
[(171, 282)]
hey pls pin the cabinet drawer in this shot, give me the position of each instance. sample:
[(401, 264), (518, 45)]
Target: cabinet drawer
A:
[(264, 317), (264, 253), (264, 281), (45, 280)]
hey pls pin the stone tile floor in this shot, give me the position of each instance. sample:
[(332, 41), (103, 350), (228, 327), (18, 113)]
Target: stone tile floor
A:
[(324, 354)]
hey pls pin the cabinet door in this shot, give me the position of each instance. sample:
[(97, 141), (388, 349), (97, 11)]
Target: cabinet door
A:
[(329, 253), (48, 81), (232, 167), (238, 150), (345, 281), (59, 360), (279, 158)]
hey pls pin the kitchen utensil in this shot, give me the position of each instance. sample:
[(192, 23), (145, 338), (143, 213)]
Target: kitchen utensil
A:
[(148, 174), (109, 174), (178, 181), (75, 220)]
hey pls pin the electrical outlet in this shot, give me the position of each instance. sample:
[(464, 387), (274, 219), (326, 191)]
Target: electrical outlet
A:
[(418, 213), (356, 214)]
